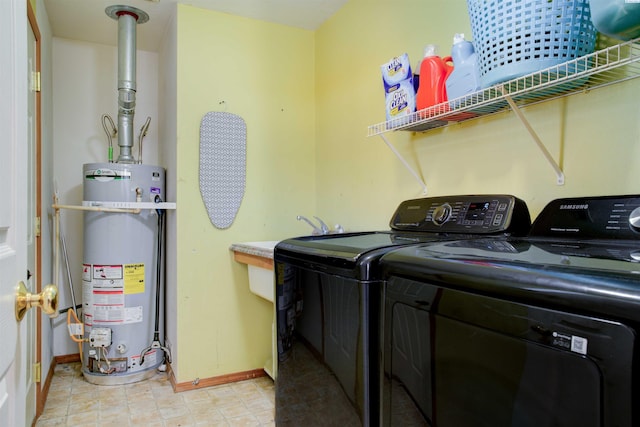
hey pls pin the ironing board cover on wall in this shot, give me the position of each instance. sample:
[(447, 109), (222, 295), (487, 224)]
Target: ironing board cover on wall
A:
[(223, 149)]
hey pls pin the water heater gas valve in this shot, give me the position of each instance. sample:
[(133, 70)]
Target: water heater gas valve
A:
[(100, 337)]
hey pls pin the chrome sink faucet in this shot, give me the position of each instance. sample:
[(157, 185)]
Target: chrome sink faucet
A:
[(323, 229)]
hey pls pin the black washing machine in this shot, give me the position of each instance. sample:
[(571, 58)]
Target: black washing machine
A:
[(519, 332), (329, 299)]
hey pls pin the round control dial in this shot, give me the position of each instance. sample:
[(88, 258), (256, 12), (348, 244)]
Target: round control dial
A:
[(442, 214), (634, 218)]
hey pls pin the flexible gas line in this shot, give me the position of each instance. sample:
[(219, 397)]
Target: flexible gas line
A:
[(79, 338)]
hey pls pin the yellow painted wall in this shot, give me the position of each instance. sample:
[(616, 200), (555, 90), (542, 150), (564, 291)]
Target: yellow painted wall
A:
[(307, 98), (264, 73), (594, 136)]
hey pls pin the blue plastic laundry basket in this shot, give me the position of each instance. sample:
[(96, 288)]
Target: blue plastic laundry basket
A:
[(517, 37)]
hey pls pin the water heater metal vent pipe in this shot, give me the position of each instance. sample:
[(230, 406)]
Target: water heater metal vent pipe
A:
[(128, 17)]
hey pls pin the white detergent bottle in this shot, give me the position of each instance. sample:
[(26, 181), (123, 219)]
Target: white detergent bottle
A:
[(465, 78)]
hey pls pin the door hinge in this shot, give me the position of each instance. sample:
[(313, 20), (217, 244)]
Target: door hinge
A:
[(35, 81), (37, 226), (37, 372)]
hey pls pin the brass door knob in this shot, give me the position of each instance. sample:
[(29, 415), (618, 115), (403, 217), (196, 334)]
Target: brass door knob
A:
[(47, 300)]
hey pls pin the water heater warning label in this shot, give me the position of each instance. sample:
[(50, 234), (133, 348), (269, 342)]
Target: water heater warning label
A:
[(104, 290), (103, 315), (133, 278), (133, 314), (108, 299), (107, 272)]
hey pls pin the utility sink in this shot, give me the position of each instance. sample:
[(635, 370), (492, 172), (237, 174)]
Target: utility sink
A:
[(259, 259), (261, 247)]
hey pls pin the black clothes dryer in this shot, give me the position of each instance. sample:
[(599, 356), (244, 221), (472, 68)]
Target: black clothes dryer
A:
[(328, 302), (519, 332)]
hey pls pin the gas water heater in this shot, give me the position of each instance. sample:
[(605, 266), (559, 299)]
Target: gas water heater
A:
[(119, 273), (122, 299)]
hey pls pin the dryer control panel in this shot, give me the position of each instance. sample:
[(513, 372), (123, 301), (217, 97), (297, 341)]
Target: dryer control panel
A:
[(471, 214), (604, 217)]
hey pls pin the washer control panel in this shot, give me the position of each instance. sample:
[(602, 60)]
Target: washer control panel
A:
[(473, 214)]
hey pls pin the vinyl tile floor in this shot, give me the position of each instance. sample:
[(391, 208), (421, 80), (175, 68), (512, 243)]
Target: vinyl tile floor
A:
[(72, 401)]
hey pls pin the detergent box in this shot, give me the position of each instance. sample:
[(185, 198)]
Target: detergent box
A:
[(400, 95)]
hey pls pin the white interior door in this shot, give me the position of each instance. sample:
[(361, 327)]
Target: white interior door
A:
[(31, 357), (13, 206)]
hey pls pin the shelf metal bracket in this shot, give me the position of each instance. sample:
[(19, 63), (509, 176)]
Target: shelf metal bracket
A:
[(536, 138), (406, 165)]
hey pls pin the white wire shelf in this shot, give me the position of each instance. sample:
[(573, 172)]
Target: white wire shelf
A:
[(602, 68)]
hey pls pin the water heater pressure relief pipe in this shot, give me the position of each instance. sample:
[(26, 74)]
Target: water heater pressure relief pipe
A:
[(155, 342), (128, 17)]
